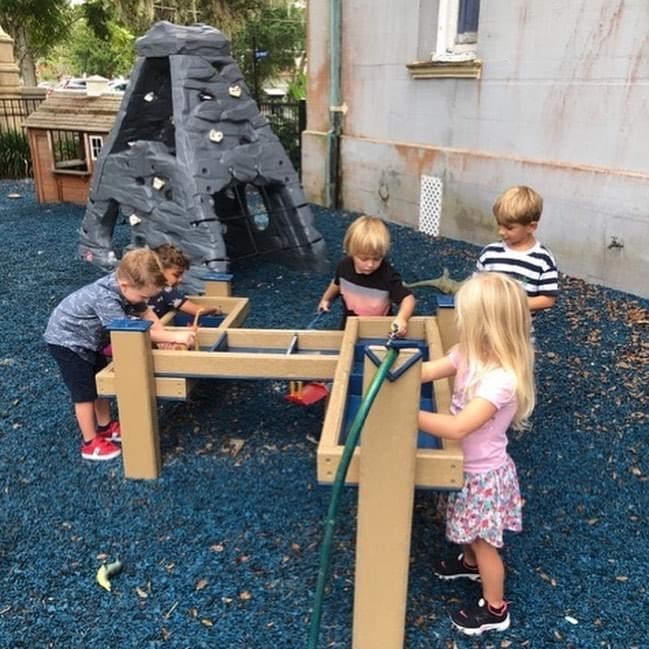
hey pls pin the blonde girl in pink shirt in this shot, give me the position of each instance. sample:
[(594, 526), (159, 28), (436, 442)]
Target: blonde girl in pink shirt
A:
[(493, 365)]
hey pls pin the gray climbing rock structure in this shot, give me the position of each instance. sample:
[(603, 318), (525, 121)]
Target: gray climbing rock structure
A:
[(192, 162)]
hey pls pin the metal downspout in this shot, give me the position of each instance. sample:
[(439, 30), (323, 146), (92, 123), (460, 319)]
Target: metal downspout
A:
[(335, 108)]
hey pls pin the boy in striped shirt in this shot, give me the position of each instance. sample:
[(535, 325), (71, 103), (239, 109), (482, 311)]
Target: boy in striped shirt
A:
[(518, 253)]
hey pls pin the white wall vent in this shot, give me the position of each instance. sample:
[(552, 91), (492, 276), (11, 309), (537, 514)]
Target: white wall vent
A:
[(430, 205)]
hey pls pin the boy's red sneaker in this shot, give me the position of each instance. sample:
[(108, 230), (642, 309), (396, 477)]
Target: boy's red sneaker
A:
[(99, 449), (112, 434)]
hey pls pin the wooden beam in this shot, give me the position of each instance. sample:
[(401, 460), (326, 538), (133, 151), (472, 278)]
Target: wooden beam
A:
[(166, 387), (136, 398), (218, 284), (385, 499), (441, 468), (242, 365)]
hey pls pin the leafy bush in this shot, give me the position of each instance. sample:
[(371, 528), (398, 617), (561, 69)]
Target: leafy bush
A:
[(15, 158)]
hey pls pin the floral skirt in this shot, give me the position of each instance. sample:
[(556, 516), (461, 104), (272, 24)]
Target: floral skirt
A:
[(488, 504)]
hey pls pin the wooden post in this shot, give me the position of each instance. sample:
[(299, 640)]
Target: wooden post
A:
[(136, 398), (385, 500), (446, 321), (218, 284)]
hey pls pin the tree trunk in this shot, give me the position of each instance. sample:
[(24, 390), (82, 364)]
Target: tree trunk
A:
[(25, 60)]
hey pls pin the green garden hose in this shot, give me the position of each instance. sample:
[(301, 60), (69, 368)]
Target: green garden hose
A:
[(339, 482)]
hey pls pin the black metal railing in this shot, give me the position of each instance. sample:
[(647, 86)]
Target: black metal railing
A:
[(14, 110), (288, 120), (15, 157)]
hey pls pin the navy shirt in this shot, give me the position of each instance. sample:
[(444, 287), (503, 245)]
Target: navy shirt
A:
[(167, 300)]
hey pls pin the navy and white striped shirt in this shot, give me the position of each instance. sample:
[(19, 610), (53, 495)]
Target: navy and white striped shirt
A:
[(535, 268)]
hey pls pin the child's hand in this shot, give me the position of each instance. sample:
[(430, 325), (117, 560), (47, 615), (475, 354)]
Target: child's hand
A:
[(181, 341), (211, 310), (400, 327), (324, 306), (174, 347), (185, 338)]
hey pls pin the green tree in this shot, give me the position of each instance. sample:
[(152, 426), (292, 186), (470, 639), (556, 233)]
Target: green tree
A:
[(273, 41), (225, 15), (272, 26), (97, 44), (134, 15), (109, 56), (36, 27), (138, 15)]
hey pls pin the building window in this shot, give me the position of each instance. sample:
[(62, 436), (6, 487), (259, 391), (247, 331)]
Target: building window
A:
[(96, 142), (69, 152), (457, 30)]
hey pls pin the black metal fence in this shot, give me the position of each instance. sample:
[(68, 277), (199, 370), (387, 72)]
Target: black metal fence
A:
[(288, 120), (13, 110), (15, 157)]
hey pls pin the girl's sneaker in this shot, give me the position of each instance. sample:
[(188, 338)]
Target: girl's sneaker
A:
[(475, 621), (456, 569), (112, 433), (99, 449)]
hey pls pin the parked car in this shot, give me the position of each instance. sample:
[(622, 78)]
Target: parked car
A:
[(69, 85), (73, 84), (117, 85)]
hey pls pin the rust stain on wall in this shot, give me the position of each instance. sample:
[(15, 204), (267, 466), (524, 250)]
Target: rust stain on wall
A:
[(603, 37), (349, 90), (639, 58), (417, 160), (318, 93), (520, 41), (586, 63)]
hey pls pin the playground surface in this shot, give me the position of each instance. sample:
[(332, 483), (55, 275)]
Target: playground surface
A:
[(222, 550)]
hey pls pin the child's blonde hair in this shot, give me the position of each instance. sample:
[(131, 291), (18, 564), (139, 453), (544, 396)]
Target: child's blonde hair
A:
[(521, 205), (493, 321), (172, 257), (367, 236), (141, 268)]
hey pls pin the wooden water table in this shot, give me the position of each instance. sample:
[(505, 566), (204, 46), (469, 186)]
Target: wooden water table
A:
[(391, 461), (436, 465), (140, 374)]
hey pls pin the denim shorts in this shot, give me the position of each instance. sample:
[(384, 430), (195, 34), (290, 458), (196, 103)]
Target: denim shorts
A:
[(78, 373)]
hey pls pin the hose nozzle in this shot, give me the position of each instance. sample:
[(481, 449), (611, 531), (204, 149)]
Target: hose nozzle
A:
[(394, 329)]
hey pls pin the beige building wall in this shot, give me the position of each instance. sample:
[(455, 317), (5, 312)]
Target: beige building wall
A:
[(560, 105)]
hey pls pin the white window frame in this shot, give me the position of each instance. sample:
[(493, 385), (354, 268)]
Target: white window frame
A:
[(93, 140), (447, 47)]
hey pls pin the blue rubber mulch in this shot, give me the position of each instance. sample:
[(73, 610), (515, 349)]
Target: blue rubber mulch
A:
[(222, 550)]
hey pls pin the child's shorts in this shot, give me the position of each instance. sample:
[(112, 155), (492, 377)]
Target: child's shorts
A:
[(488, 504), (78, 373)]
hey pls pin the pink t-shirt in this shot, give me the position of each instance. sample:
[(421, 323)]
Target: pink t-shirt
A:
[(485, 449)]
